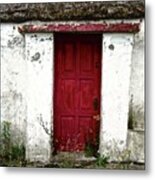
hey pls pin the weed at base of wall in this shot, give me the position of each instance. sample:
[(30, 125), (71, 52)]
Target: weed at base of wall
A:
[(102, 161), (10, 154)]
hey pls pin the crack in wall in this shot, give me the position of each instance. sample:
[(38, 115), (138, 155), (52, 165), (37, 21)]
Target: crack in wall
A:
[(43, 124)]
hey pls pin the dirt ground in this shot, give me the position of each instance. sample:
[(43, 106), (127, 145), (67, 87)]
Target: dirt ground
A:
[(74, 160)]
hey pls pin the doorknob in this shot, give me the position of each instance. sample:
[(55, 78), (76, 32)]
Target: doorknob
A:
[(95, 103), (96, 117)]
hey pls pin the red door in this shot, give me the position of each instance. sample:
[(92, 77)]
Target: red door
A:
[(77, 90)]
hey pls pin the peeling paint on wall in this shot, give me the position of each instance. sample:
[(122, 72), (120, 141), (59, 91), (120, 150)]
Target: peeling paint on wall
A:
[(13, 68)]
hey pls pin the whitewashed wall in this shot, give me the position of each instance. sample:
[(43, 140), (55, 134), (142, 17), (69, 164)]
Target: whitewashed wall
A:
[(135, 141), (13, 78), (39, 57), (27, 92), (116, 70), (137, 80)]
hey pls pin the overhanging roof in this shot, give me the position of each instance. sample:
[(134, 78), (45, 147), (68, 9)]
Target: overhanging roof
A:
[(65, 11)]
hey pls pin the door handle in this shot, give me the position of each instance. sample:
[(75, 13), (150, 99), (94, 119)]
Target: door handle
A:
[(95, 103), (96, 117)]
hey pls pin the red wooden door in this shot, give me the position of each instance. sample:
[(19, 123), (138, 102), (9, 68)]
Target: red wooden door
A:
[(77, 90)]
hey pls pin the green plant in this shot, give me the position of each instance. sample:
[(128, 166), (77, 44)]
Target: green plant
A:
[(67, 163), (90, 150), (101, 161), (10, 151), (18, 152), (5, 140)]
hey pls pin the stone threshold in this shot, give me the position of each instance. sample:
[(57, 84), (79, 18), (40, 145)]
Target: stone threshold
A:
[(76, 156)]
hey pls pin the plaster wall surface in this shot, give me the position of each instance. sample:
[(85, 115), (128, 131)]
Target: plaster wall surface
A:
[(13, 78), (136, 132), (39, 57), (27, 90), (137, 81), (116, 71)]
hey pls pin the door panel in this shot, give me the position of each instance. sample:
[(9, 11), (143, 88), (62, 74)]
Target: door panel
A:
[(86, 59), (68, 63), (67, 98), (77, 90), (86, 95)]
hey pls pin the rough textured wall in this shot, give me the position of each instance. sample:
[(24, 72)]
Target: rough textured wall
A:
[(136, 146), (136, 142), (13, 68), (116, 69), (39, 57), (72, 11), (137, 81), (21, 85), (26, 89)]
